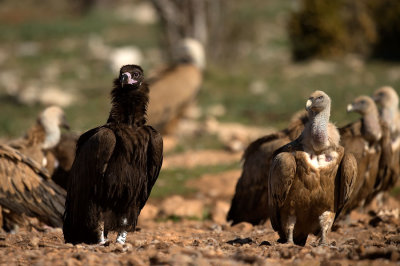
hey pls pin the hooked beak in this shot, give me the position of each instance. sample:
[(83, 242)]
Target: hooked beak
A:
[(308, 104), (350, 108), (64, 124), (126, 78)]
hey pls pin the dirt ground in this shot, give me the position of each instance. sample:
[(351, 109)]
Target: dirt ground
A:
[(188, 242), (174, 231)]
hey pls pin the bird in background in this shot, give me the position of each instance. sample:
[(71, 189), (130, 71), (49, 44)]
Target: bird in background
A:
[(174, 87), (26, 188), (115, 167)]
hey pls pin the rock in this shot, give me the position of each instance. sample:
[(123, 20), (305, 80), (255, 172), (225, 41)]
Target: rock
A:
[(242, 227), (34, 242), (220, 186), (178, 206), (149, 212), (170, 143), (265, 243), (191, 159), (240, 241), (219, 211)]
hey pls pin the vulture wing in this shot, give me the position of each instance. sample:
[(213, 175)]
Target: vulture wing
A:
[(345, 181), (26, 188), (154, 162), (250, 202), (281, 177)]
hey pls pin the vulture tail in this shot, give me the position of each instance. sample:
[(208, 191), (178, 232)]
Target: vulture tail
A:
[(81, 222)]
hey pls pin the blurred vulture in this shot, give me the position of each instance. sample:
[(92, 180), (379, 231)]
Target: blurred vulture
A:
[(25, 185), (250, 202), (365, 139), (115, 167), (388, 101), (64, 155), (176, 86), (311, 178)]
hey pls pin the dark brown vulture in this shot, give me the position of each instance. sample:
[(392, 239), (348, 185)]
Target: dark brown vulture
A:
[(311, 178), (175, 87), (250, 202), (115, 167), (25, 185), (365, 139), (388, 101)]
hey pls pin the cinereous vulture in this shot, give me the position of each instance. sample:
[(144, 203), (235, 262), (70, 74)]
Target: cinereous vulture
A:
[(115, 167)]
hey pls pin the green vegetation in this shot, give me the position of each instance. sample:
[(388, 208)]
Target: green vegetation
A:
[(172, 181)]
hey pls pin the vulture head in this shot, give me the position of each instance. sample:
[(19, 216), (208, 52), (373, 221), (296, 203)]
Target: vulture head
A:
[(131, 76), (191, 51), (386, 97), (318, 102), (52, 119), (362, 105)]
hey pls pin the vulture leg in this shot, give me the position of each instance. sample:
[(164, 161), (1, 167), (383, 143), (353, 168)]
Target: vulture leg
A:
[(325, 220), (102, 236), (290, 229), (122, 233)]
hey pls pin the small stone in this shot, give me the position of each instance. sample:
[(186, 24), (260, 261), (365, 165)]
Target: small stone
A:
[(240, 241), (265, 243), (34, 242)]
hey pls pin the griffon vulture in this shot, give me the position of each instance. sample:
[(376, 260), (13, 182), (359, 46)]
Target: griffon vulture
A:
[(115, 167), (25, 185), (250, 202), (311, 178), (388, 101), (175, 87), (365, 139), (64, 155)]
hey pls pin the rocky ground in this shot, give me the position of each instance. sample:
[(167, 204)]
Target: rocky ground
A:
[(366, 241), (191, 230)]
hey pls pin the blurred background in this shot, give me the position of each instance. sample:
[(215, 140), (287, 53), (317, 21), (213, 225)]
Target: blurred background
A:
[(263, 59)]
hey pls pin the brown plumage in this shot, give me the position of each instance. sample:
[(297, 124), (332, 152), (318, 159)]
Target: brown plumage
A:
[(25, 185), (311, 178), (64, 155), (388, 101), (115, 167), (174, 88), (365, 139), (250, 202)]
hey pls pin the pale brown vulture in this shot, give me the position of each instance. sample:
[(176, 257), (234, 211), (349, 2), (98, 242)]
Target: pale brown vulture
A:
[(250, 202), (115, 167), (388, 101), (311, 178), (25, 185), (365, 139), (176, 86)]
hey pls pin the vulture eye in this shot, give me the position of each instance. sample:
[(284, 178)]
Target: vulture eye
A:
[(136, 74), (362, 102), (319, 98)]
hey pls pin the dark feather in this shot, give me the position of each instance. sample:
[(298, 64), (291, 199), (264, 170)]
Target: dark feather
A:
[(115, 168)]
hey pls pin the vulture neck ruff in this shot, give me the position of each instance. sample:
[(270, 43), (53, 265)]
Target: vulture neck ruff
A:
[(53, 135), (319, 128), (389, 115), (129, 105), (371, 126)]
